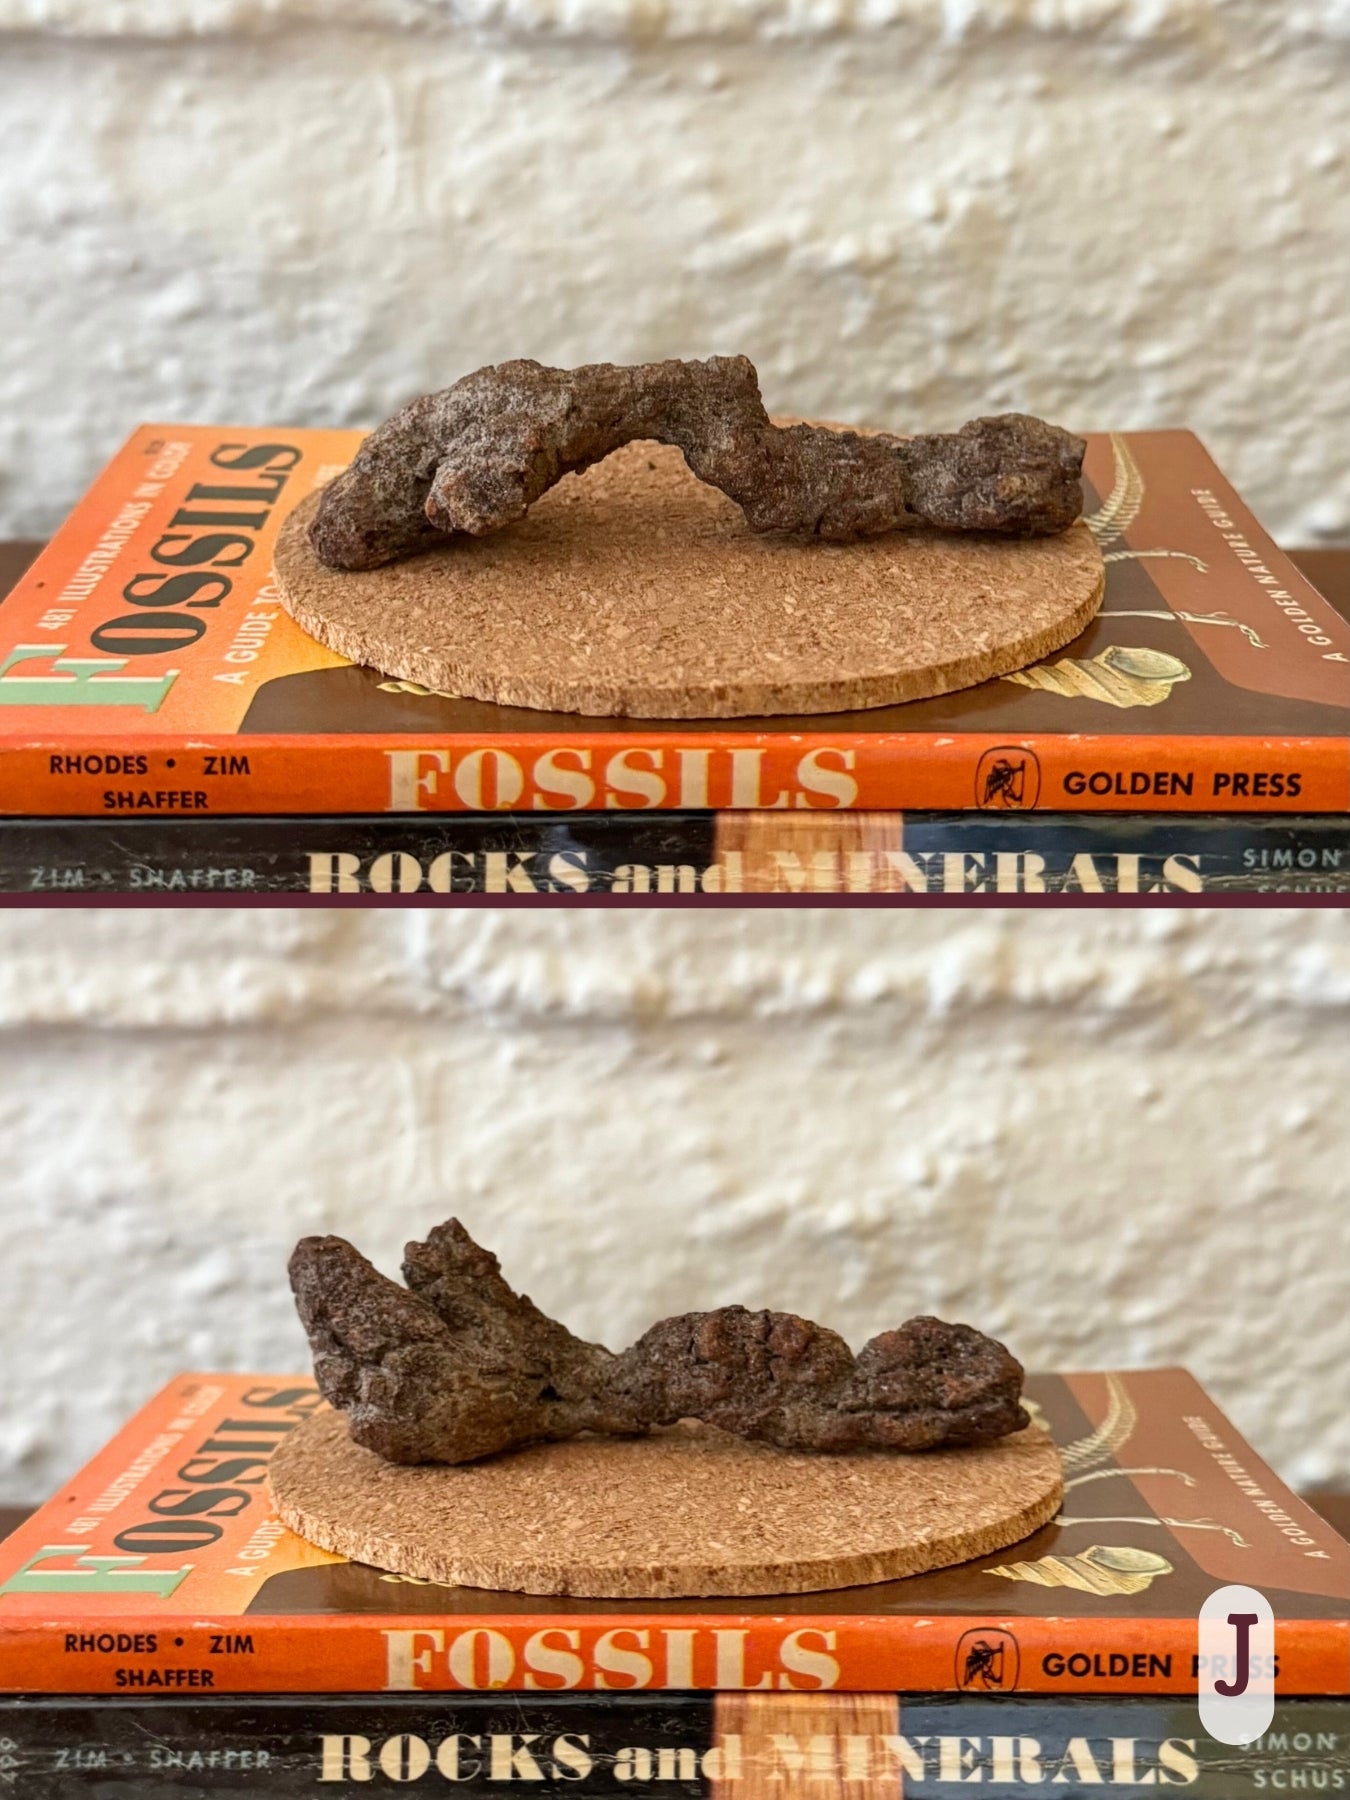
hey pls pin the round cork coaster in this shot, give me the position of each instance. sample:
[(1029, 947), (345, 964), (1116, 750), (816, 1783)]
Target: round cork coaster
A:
[(688, 1511), (636, 590)]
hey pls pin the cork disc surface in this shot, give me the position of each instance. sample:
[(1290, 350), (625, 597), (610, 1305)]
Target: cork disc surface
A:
[(685, 1512), (635, 590)]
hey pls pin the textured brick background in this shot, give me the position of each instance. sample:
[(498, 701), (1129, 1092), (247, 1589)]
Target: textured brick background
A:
[(1120, 213), (1114, 1138)]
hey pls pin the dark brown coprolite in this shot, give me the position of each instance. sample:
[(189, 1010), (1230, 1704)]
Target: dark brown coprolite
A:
[(456, 1366), (473, 457)]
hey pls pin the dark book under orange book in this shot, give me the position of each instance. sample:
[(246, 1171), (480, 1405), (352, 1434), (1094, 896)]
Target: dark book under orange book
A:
[(147, 668), (161, 1569)]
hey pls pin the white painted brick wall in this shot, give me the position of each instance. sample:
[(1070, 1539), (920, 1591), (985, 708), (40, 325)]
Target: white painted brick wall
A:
[(1115, 212), (1113, 1138)]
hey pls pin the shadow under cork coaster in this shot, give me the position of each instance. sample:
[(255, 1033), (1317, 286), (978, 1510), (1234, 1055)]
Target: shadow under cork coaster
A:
[(688, 1511), (634, 590)]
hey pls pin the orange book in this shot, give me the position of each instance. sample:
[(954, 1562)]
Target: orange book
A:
[(160, 1569), (147, 669)]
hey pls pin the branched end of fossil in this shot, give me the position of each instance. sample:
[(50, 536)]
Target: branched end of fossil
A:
[(473, 458), (455, 1366)]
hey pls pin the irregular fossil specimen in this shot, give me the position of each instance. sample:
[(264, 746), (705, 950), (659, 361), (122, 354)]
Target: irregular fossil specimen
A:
[(473, 457), (456, 1366)]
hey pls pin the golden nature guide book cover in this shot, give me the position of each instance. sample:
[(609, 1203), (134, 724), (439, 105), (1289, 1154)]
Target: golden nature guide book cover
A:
[(161, 1570), (147, 668)]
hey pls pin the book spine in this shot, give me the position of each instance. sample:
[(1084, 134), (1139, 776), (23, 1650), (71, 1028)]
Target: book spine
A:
[(262, 1652), (744, 1747), (639, 853), (584, 769)]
